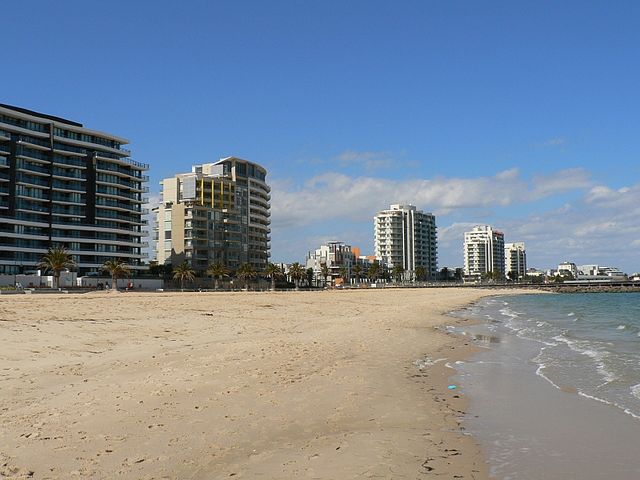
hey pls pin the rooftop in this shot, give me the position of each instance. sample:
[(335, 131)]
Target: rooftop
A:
[(41, 115)]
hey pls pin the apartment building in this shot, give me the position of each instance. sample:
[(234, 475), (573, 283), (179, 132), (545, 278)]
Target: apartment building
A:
[(515, 260), (335, 255), (484, 251), (407, 237), (218, 212), (567, 269), (63, 185)]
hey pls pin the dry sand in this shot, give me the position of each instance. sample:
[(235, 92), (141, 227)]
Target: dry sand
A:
[(325, 385)]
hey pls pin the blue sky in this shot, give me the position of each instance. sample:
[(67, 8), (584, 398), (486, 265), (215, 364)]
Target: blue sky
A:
[(521, 114)]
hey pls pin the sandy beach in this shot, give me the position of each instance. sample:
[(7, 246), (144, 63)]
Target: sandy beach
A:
[(324, 385)]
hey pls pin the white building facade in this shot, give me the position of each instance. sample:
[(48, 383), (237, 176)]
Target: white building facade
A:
[(484, 251), (515, 259), (567, 268), (407, 237), (335, 255)]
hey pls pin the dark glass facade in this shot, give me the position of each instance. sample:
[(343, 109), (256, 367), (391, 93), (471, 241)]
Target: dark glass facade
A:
[(64, 185)]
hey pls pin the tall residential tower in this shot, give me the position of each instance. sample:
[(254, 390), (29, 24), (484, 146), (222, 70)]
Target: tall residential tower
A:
[(407, 237), (515, 260), (218, 212), (484, 251), (63, 185)]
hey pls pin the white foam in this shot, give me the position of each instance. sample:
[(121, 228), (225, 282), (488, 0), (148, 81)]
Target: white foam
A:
[(541, 367), (570, 314), (597, 355), (621, 327), (635, 391), (507, 312), (597, 399)]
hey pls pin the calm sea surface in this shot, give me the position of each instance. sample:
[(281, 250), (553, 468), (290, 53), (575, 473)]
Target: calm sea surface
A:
[(556, 393)]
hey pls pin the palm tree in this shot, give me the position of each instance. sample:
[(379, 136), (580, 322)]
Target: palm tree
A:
[(398, 271), (217, 271), (246, 272), (374, 271), (421, 273), (56, 260), (324, 270), (297, 273), (272, 271), (117, 269), (184, 273), (344, 274), (357, 271)]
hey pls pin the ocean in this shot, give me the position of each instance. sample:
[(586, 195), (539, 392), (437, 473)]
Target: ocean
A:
[(555, 393)]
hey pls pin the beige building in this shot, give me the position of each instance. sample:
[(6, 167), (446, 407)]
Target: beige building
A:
[(218, 212), (515, 259)]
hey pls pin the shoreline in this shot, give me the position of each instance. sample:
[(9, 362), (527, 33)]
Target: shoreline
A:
[(514, 408), (283, 385)]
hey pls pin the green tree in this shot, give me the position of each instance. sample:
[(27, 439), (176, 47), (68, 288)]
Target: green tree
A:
[(324, 270), (357, 271), (246, 273), (421, 273), (217, 270), (344, 274), (117, 269), (56, 260), (385, 274), (398, 272), (297, 273), (374, 271), (184, 273), (272, 271)]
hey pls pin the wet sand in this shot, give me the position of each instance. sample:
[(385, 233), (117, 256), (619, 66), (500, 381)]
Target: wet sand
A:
[(531, 430), (340, 384)]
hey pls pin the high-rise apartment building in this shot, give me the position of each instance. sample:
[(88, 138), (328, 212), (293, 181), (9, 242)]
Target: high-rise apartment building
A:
[(63, 185), (218, 212), (483, 251), (407, 237), (515, 260)]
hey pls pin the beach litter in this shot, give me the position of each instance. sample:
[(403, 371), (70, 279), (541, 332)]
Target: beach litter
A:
[(452, 387)]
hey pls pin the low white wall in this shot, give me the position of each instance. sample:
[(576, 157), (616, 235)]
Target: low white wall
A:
[(67, 279), (138, 283)]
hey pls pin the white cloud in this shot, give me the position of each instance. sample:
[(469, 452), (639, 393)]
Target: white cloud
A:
[(338, 196), (561, 181), (601, 227)]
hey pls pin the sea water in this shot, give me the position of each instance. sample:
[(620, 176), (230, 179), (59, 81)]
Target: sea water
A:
[(556, 392)]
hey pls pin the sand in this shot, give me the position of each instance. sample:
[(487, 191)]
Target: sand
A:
[(322, 385)]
